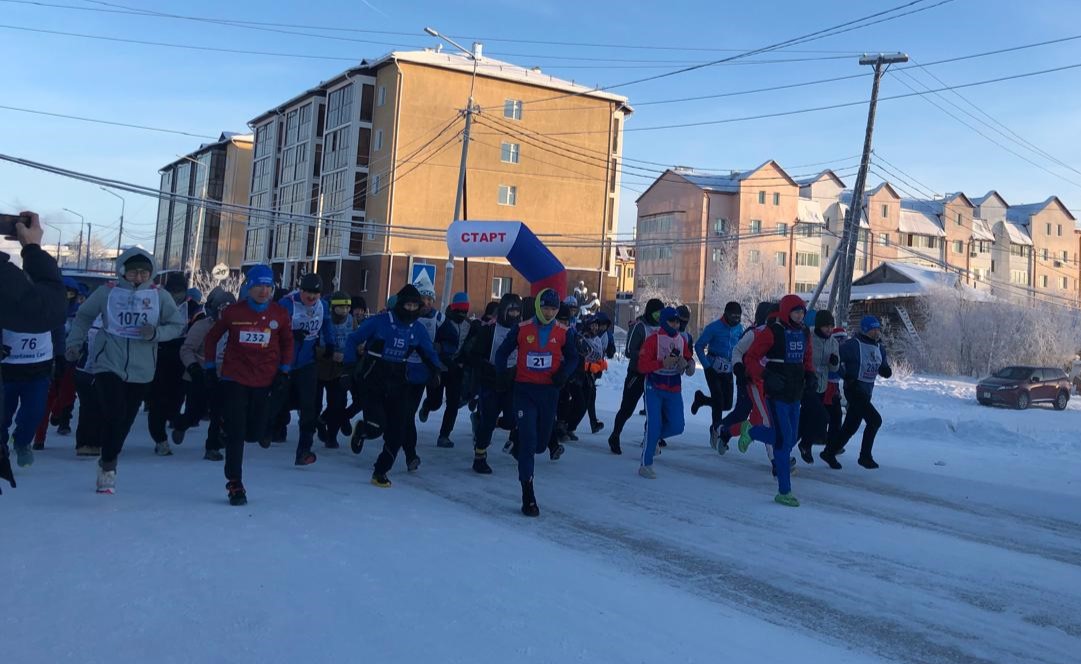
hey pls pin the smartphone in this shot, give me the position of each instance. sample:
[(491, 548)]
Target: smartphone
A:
[(8, 221)]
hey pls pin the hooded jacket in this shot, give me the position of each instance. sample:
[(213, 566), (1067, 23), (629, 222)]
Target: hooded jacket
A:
[(781, 354), (715, 345), (191, 352), (642, 328), (863, 360), (478, 351), (826, 358), (133, 359)]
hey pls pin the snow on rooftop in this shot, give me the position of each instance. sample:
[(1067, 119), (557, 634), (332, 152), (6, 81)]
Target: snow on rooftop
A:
[(1017, 233), (809, 212), (919, 222), (981, 230)]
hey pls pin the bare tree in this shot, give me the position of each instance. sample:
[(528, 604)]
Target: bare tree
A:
[(206, 282), (747, 284)]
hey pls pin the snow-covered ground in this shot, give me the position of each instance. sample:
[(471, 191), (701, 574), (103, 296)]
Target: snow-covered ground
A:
[(964, 547)]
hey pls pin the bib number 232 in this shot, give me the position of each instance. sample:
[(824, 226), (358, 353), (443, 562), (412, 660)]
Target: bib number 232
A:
[(255, 338)]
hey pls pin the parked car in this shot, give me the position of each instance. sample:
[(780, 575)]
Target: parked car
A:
[(1020, 387)]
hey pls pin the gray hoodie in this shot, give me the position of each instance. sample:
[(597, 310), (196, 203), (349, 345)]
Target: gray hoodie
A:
[(133, 359)]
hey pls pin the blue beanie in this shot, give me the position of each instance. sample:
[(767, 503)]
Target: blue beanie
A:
[(868, 323), (548, 298), (195, 295), (260, 275), (669, 314)]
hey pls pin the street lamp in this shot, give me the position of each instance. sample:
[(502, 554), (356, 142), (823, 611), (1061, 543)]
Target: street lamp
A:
[(82, 222), (120, 235), (59, 235), (470, 109)]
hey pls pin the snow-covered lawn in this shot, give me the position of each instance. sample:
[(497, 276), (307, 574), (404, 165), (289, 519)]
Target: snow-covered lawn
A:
[(964, 547)]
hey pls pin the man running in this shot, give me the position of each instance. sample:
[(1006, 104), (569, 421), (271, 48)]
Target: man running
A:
[(634, 384)]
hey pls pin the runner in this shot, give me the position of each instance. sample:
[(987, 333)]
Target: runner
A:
[(714, 350), (450, 337), (136, 316), (665, 356), (28, 370), (330, 369), (634, 385), (193, 359), (167, 389)]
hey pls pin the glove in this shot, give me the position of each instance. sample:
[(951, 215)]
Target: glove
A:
[(281, 382), (810, 382), (210, 377), (196, 373), (559, 379), (672, 362), (148, 331), (73, 354), (834, 360), (740, 373), (434, 382), (774, 382), (689, 370), (885, 371)]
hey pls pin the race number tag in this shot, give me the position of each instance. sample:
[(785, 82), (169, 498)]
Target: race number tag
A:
[(129, 310), (28, 348), (255, 337), (538, 361), (722, 365)]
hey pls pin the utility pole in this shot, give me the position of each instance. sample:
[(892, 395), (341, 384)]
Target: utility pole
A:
[(842, 285), (89, 232), (470, 109), (82, 221), (123, 203)]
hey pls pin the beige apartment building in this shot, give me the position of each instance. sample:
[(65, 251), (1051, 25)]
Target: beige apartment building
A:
[(1054, 266), (376, 150)]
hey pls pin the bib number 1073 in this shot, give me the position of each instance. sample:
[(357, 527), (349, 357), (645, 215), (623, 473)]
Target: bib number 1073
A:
[(133, 318)]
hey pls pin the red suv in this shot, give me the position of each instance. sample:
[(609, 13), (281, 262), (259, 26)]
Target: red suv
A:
[(1022, 386)]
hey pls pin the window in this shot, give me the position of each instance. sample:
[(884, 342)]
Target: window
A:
[(1045, 254), (612, 181), (382, 97), (1065, 256), (753, 256), (615, 135), (500, 287), (885, 211), (656, 223), (512, 108), (992, 265), (807, 258), (958, 218), (922, 241), (718, 255), (1043, 281), (367, 95), (781, 258), (777, 200), (654, 253), (378, 139), (756, 225), (720, 227), (826, 253), (808, 230), (884, 239), (981, 275), (1019, 277), (958, 247), (1062, 283), (782, 230), (1060, 230), (761, 198), (1049, 229), (509, 153), (805, 287), (508, 195)]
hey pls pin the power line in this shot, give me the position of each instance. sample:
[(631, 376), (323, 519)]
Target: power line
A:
[(104, 122)]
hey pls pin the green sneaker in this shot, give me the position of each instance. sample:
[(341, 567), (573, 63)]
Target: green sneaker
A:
[(744, 436), (786, 499)]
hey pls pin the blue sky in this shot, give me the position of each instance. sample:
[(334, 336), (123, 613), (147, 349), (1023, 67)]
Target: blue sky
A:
[(206, 93)]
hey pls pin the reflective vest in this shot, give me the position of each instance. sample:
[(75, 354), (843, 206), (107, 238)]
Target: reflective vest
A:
[(537, 363)]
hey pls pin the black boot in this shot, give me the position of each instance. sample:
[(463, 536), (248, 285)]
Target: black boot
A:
[(356, 441), (867, 462), (5, 470), (805, 452), (699, 401), (830, 458), (480, 462), (237, 495), (529, 501), (613, 444)]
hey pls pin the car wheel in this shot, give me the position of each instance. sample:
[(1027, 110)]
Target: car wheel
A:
[(1061, 400), (1023, 401)]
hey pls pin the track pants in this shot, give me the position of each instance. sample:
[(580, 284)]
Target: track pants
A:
[(720, 394), (59, 403), (303, 383), (492, 405), (633, 388), (813, 419), (215, 430), (166, 399), (89, 431), (195, 405), (786, 423), (740, 411), (121, 402), (452, 385), (535, 406), (239, 404), (24, 405), (399, 407), (334, 413), (664, 418), (860, 410)]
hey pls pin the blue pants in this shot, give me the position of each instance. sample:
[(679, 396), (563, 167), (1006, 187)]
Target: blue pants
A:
[(664, 418), (535, 406), (492, 405), (786, 426), (28, 397)]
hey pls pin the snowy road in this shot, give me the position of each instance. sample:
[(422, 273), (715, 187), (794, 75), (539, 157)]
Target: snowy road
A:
[(977, 559)]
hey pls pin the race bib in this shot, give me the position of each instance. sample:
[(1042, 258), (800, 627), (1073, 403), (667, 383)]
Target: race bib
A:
[(794, 346), (538, 361), (28, 348), (128, 310), (254, 337), (308, 321), (722, 365), (870, 361)]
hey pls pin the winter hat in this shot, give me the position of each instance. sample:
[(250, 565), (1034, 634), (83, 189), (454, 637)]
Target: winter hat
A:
[(564, 313), (424, 286), (70, 284), (823, 318), (733, 308), (790, 303), (340, 299), (653, 306), (460, 302), (571, 302), (548, 298), (669, 314), (260, 275), (311, 283), (868, 323), (139, 262), (359, 302), (407, 294), (84, 290), (195, 295), (506, 303)]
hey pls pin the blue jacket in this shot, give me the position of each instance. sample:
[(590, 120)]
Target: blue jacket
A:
[(304, 343), (390, 342), (863, 360), (717, 341)]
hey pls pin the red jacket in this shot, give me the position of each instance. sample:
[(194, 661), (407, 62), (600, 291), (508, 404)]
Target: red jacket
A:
[(651, 360), (783, 349), (260, 343)]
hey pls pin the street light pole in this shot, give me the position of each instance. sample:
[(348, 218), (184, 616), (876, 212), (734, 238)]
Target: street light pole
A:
[(470, 109), (86, 260), (82, 221), (123, 203), (59, 235), (842, 289)]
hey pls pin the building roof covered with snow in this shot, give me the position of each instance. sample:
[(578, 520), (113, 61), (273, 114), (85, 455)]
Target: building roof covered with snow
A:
[(809, 212), (920, 222), (892, 280)]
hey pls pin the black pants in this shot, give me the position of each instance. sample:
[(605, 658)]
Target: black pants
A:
[(633, 389), (195, 404), (833, 410), (573, 402), (88, 431), (813, 419), (860, 410), (215, 434), (720, 394), (493, 407), (591, 397), (452, 385), (123, 401), (240, 403), (399, 407), (166, 399), (303, 384), (334, 413), (739, 413)]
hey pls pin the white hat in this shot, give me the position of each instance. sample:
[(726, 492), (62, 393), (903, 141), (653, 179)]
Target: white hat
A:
[(425, 286)]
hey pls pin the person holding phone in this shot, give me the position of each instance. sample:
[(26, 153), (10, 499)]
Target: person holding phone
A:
[(32, 299)]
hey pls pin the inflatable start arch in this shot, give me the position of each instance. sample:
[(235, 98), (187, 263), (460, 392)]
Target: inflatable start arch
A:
[(515, 242)]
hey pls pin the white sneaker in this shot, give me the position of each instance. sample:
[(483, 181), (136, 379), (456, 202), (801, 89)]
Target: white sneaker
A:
[(163, 449), (106, 481), (714, 437), (647, 472)]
